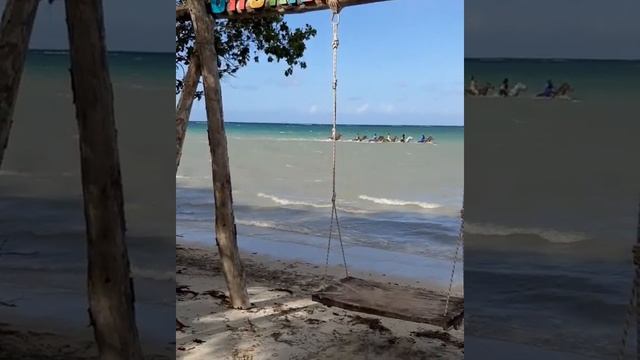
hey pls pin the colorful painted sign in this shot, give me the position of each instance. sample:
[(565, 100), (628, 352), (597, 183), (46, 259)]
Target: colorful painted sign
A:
[(239, 6)]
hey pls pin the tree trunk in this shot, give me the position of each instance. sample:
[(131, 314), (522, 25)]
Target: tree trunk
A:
[(225, 224), (111, 295), (183, 110), (15, 32)]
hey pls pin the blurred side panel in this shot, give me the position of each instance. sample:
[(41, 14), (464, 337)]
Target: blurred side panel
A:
[(552, 179)]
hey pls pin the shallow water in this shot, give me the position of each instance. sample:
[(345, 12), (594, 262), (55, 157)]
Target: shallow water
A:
[(396, 198)]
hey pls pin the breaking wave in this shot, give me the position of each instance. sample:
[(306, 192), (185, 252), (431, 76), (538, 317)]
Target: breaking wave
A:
[(395, 202), (553, 236)]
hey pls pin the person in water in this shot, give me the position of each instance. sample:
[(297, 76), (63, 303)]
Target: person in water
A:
[(473, 87), (403, 138), (504, 88), (422, 138), (549, 90)]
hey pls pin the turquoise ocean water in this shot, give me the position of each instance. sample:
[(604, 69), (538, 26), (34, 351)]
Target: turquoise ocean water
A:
[(322, 132), (399, 203)]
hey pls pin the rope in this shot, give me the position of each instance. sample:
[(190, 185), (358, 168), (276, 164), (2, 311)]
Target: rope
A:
[(627, 320), (453, 269), (632, 301), (335, 20)]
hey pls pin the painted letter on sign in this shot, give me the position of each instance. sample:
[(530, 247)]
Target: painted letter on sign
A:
[(218, 6), (256, 4)]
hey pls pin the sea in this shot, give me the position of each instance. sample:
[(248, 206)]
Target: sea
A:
[(398, 203), (42, 227), (552, 191)]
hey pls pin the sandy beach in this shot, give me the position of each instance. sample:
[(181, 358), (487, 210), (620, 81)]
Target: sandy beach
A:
[(284, 322)]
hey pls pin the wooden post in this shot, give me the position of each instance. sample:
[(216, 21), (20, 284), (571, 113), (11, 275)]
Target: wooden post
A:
[(225, 224), (15, 32), (183, 111), (110, 287)]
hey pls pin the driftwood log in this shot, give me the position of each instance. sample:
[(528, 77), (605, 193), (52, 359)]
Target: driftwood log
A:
[(110, 287), (225, 228), (182, 12), (15, 32)]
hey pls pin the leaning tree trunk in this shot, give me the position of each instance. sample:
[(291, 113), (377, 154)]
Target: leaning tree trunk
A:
[(111, 297), (15, 32), (183, 111), (225, 223)]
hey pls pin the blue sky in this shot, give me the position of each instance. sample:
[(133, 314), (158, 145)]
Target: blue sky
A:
[(400, 62)]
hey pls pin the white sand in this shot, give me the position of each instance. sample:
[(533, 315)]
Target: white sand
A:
[(284, 323)]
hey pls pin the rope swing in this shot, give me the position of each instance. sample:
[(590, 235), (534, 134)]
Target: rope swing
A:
[(335, 20), (357, 294)]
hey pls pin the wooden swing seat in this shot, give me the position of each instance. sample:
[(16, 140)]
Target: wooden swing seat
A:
[(393, 301)]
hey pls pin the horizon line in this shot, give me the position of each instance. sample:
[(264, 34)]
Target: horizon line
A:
[(307, 124)]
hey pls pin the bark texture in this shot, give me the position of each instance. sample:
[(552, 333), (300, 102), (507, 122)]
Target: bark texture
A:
[(111, 294), (15, 32), (225, 227), (183, 110)]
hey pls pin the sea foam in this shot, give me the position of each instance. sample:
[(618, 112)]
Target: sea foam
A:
[(396, 202), (553, 236)]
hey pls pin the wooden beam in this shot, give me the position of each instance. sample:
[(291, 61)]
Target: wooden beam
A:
[(183, 110), (110, 286), (15, 32), (182, 12), (226, 236)]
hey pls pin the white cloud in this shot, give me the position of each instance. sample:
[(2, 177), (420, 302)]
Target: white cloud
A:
[(362, 109), (388, 108)]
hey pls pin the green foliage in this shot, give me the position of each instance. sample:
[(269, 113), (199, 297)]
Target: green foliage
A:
[(240, 41)]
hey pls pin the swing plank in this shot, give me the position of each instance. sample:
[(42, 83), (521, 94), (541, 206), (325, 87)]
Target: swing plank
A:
[(393, 301)]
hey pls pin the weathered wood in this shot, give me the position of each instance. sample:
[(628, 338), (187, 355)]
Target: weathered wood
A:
[(15, 32), (183, 110), (393, 301), (182, 13), (110, 286), (226, 237)]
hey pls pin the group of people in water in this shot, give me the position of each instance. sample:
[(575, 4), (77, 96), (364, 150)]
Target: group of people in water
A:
[(384, 139), (505, 90)]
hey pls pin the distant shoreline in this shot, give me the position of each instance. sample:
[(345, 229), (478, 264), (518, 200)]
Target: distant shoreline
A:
[(314, 124)]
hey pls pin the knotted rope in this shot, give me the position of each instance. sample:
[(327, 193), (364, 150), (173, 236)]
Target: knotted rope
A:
[(335, 20), (334, 5)]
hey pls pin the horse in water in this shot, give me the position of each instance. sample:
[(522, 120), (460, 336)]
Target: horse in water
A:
[(517, 89), (564, 90), (484, 90)]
